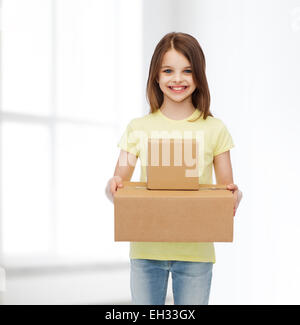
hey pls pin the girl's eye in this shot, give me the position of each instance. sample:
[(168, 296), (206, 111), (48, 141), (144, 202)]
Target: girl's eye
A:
[(188, 70)]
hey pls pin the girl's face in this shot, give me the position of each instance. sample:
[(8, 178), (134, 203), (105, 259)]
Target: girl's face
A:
[(175, 77)]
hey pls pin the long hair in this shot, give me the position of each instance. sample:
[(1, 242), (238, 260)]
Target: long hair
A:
[(191, 49)]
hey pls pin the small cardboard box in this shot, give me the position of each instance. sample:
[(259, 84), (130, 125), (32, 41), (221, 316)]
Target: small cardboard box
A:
[(205, 215), (173, 164)]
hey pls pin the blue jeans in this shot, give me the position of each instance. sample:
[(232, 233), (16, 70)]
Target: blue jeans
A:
[(190, 282)]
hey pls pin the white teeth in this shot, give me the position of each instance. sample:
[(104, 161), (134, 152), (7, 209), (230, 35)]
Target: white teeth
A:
[(179, 88)]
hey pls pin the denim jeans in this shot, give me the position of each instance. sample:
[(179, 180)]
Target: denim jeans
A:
[(190, 282)]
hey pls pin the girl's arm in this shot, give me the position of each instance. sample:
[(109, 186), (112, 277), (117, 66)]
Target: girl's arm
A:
[(123, 172), (223, 173)]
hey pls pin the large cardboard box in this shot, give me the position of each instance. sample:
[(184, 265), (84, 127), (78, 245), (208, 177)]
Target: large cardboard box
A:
[(173, 164), (203, 215)]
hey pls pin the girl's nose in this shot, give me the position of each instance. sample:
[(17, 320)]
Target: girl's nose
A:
[(177, 78)]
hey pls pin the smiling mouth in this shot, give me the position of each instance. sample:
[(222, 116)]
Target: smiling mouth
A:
[(179, 89)]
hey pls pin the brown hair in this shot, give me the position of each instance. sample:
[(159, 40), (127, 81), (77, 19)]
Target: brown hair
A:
[(190, 48)]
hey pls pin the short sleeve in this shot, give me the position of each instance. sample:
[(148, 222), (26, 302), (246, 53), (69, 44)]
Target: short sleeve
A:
[(224, 141), (129, 140)]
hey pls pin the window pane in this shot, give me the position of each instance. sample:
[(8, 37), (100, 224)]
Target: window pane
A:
[(85, 59), (26, 189), (86, 159), (26, 56)]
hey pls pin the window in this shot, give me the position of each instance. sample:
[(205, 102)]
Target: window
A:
[(61, 110)]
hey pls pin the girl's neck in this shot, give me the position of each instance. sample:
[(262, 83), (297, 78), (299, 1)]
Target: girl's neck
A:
[(177, 111)]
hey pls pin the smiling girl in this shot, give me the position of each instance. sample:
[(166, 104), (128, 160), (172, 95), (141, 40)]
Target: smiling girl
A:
[(179, 99)]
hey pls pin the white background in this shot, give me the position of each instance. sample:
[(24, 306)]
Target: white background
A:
[(73, 73)]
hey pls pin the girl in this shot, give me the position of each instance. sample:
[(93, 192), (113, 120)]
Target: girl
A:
[(179, 98)]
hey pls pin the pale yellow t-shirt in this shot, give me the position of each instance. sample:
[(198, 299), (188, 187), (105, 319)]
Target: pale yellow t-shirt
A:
[(213, 138)]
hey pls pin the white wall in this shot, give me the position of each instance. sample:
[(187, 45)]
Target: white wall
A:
[(81, 285)]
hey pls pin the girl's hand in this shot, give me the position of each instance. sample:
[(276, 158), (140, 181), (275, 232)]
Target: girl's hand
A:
[(237, 196), (112, 186)]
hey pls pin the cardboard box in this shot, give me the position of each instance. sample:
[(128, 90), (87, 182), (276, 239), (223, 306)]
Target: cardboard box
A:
[(204, 215), (173, 164)]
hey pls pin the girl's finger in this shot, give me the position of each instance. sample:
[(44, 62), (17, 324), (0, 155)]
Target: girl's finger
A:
[(112, 186), (240, 195), (232, 187), (118, 181)]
